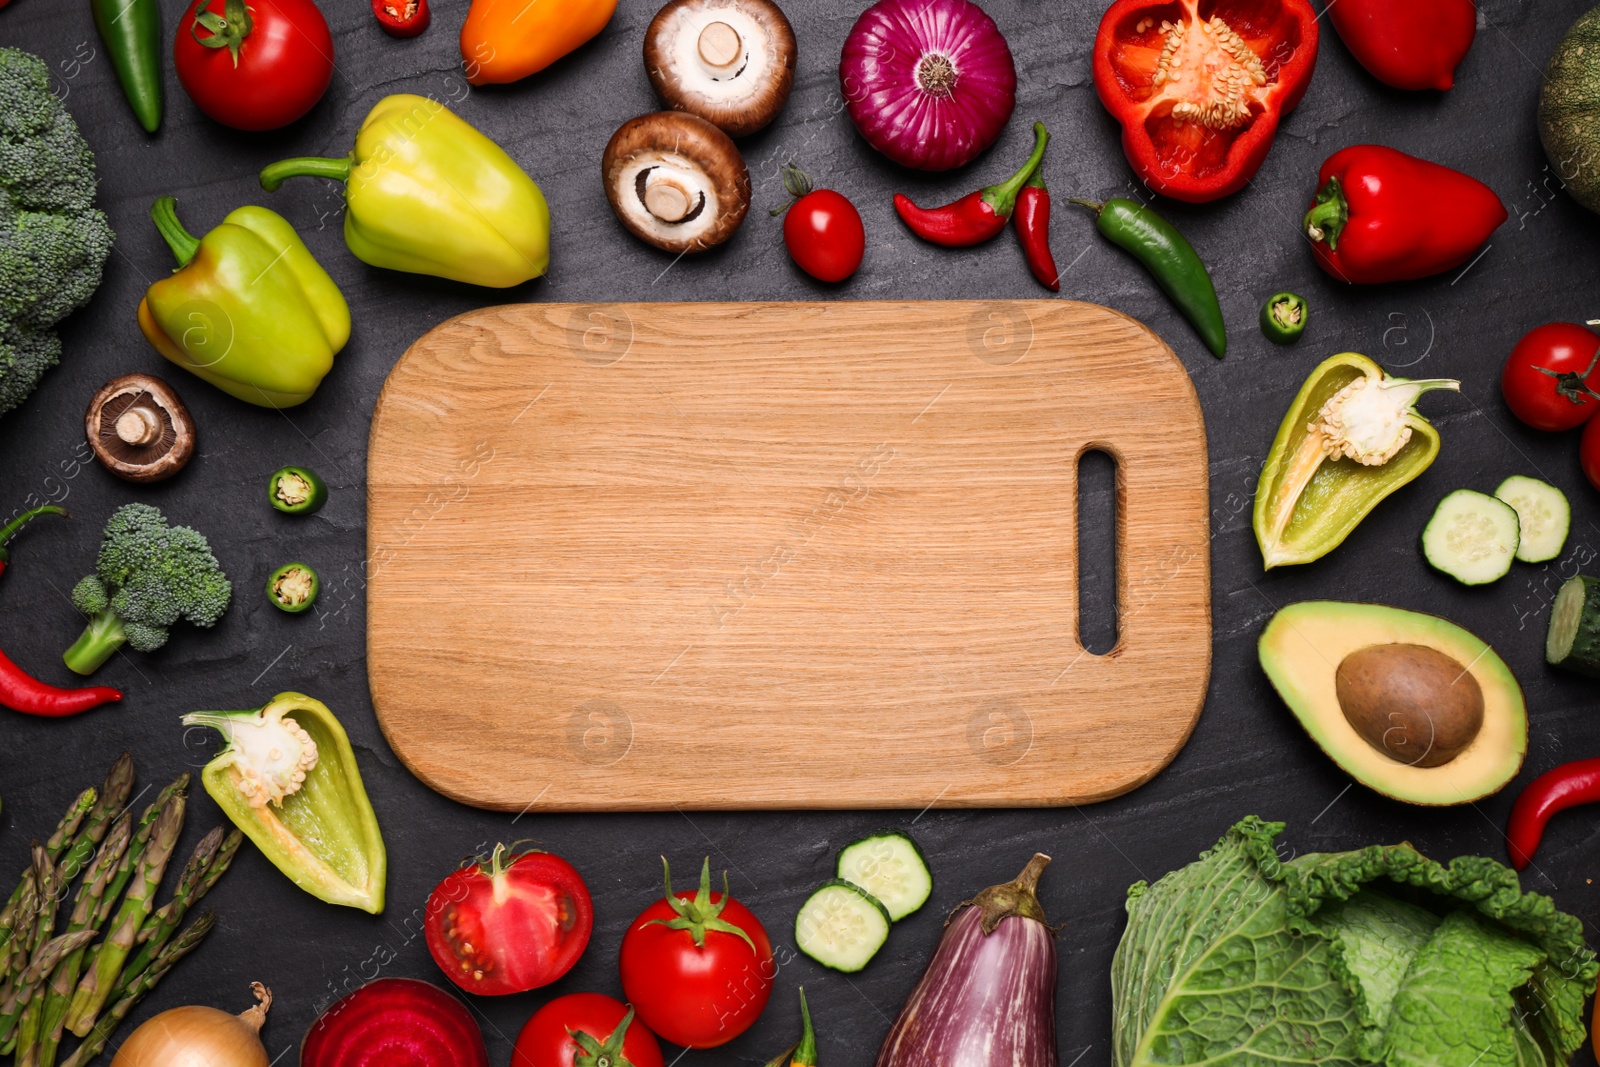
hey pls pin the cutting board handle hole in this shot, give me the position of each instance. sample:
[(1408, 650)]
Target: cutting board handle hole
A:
[(1097, 551)]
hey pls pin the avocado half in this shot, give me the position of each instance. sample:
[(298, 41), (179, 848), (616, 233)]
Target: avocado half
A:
[(1301, 649)]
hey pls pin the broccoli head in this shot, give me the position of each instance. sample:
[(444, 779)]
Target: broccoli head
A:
[(149, 576), (53, 242)]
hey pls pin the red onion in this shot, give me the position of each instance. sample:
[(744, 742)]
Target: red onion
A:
[(929, 83), (988, 996)]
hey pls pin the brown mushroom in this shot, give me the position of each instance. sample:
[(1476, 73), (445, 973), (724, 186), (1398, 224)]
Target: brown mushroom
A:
[(729, 61), (139, 429), (676, 181)]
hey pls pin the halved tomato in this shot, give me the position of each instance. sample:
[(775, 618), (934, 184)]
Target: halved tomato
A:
[(513, 922)]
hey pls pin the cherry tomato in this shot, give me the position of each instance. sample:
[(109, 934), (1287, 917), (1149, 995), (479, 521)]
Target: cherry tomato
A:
[(1550, 379), (512, 923), (1589, 452), (822, 230), (597, 1027), (257, 67), (697, 966)]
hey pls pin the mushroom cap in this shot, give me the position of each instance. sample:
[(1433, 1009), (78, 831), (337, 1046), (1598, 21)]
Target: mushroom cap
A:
[(139, 429), (729, 61), (676, 181)]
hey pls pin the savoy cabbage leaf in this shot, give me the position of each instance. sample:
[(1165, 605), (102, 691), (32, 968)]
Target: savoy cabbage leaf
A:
[(1379, 956)]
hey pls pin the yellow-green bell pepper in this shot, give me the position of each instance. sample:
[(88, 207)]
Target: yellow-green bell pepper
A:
[(1351, 437), (288, 778), (427, 193), (248, 309)]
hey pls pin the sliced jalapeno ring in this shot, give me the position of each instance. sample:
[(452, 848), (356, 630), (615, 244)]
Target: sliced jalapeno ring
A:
[(296, 490), (1283, 317), (293, 587)]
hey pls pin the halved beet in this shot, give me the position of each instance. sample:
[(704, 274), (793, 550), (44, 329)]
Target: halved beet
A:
[(395, 1022)]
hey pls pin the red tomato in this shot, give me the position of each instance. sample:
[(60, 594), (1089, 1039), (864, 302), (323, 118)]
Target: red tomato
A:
[(1550, 380), (1589, 452), (697, 995), (823, 230), (549, 1039), (258, 78), (514, 923)]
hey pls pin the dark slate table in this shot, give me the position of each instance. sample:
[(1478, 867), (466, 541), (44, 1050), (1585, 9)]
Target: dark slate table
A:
[(1247, 755)]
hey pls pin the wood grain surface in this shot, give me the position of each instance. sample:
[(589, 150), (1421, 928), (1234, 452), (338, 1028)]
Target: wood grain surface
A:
[(803, 555)]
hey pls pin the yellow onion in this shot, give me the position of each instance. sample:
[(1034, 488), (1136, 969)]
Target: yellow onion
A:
[(197, 1036)]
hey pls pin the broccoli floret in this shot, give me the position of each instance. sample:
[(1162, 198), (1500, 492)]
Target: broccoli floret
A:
[(53, 243), (148, 577)]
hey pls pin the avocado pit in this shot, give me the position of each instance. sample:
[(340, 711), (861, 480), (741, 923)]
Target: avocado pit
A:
[(1412, 703)]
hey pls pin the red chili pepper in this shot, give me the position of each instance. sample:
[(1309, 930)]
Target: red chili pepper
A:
[(9, 530), (1555, 790), (1200, 88), (1383, 216), (20, 691), (402, 18), (977, 216), (1033, 230), (1415, 44)]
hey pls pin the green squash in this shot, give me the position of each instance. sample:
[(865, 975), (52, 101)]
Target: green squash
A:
[(1569, 110)]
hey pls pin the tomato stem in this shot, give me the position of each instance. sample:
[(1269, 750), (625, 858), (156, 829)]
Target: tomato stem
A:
[(699, 913)]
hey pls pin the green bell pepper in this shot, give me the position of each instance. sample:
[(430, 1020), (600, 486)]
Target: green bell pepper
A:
[(288, 778), (427, 193), (249, 309), (1351, 437)]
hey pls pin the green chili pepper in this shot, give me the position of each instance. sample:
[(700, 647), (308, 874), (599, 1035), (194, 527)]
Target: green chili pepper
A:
[(293, 588), (1283, 317), (296, 490), (131, 30), (1169, 258), (1351, 437), (288, 778)]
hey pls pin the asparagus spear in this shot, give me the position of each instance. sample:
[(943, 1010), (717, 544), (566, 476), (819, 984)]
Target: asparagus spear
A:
[(86, 905), (95, 1040), (108, 805), (100, 980), (48, 879), (141, 837), (18, 1001), (209, 860), (14, 953), (65, 830)]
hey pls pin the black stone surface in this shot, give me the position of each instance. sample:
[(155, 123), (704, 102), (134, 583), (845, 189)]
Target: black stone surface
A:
[(1247, 755)]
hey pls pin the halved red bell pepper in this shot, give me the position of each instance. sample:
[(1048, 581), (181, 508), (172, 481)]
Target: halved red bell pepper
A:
[(1383, 216), (1201, 85), (1415, 44)]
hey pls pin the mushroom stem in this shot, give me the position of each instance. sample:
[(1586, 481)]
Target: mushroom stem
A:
[(667, 200), (720, 46), (138, 425)]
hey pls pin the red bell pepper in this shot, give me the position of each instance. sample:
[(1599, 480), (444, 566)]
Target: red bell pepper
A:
[(1383, 216), (1414, 44), (1200, 99)]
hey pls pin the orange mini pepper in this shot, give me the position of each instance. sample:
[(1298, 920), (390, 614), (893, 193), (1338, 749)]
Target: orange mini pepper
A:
[(507, 40)]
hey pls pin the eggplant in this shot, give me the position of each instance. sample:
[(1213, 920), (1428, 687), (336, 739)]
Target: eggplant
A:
[(988, 997)]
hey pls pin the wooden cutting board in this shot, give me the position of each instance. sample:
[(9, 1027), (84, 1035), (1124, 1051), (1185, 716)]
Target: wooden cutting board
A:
[(812, 555)]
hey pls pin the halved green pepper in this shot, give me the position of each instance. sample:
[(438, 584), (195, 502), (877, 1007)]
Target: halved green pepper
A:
[(1351, 437), (288, 778), (296, 490)]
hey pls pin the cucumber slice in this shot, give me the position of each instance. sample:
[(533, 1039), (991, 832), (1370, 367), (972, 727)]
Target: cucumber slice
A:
[(1472, 537), (841, 926), (890, 866), (1543, 516), (1573, 640)]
